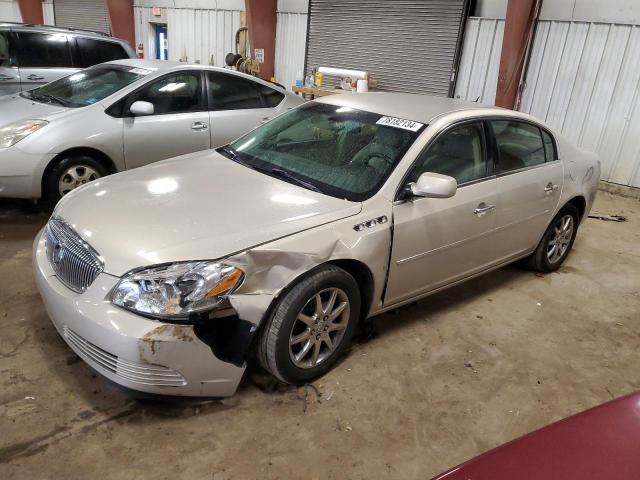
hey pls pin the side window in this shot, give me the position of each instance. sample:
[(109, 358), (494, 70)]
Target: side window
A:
[(94, 51), (519, 145), (550, 150), (231, 92), (40, 50), (178, 93), (459, 153), (272, 98), (5, 58)]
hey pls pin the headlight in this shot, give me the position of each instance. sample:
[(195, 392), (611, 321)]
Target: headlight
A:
[(14, 132), (176, 290)]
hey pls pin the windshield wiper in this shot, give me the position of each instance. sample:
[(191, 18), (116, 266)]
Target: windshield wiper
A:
[(283, 174), (50, 98)]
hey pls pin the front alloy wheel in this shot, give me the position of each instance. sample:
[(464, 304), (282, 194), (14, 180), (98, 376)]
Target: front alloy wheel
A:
[(310, 326), (319, 328), (76, 176)]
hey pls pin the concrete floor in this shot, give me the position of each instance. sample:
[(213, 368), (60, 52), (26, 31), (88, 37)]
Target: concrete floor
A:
[(438, 383)]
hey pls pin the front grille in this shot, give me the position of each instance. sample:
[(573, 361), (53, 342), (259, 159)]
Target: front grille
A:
[(142, 373), (73, 260)]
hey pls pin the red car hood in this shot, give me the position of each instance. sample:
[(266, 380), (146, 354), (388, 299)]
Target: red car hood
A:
[(599, 444)]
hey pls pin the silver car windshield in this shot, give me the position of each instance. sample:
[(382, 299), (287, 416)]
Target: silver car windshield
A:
[(87, 86), (339, 151)]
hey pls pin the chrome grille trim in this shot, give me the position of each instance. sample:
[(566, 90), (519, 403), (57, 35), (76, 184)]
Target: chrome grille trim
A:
[(144, 374), (74, 261)]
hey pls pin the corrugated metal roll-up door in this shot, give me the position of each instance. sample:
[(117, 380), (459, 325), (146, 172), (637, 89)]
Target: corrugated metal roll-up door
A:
[(408, 46), (82, 14)]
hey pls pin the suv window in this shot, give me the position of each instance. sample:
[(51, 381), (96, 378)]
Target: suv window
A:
[(519, 145), (231, 92), (94, 51), (177, 93), (459, 153), (43, 50), (5, 58)]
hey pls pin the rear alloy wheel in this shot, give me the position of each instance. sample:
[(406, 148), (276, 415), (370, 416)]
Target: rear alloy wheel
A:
[(311, 326), (557, 241), (70, 173)]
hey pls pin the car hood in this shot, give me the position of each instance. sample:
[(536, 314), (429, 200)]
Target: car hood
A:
[(195, 207), (14, 108)]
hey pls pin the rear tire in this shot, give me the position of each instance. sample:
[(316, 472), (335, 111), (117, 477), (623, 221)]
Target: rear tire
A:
[(311, 326), (557, 241), (68, 174)]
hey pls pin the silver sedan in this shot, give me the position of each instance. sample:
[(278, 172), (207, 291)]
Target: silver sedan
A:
[(121, 115), (168, 278)]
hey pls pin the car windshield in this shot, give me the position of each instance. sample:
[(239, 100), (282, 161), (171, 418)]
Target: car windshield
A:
[(339, 151), (87, 86)]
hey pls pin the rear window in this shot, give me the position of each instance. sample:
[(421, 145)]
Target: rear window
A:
[(519, 145), (43, 50), (92, 51)]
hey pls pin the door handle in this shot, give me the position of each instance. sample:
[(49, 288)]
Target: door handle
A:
[(482, 209), (199, 126), (264, 120), (5, 78), (551, 187), (35, 77)]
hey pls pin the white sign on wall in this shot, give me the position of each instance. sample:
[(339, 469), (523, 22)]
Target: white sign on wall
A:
[(259, 55)]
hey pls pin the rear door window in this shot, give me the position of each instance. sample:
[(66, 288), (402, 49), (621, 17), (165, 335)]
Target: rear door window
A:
[(232, 92), (549, 147), (92, 51), (41, 50), (5, 58), (519, 145)]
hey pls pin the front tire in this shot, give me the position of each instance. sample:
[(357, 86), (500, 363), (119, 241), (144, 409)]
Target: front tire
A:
[(557, 241), (69, 174), (311, 326)]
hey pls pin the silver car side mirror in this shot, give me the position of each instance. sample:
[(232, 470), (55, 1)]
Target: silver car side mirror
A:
[(141, 108), (434, 185)]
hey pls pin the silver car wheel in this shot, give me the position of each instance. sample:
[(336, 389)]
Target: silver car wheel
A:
[(76, 176), (559, 243), (319, 328)]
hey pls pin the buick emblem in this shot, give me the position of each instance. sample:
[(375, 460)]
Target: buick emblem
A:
[(58, 252)]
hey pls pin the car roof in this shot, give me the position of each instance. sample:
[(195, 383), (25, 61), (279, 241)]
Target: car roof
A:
[(162, 66), (410, 106), (51, 29)]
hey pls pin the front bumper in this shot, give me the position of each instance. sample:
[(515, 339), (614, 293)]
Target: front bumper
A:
[(21, 173), (132, 351)]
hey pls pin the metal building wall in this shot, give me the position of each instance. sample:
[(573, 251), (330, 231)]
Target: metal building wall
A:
[(478, 72), (291, 39), (583, 80), (10, 11), (194, 34)]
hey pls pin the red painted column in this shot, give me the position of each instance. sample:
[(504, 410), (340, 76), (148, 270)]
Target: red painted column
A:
[(31, 11), (261, 20), (121, 20), (517, 32)]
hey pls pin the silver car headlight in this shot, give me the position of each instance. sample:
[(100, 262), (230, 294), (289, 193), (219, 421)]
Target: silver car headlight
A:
[(177, 290), (14, 132)]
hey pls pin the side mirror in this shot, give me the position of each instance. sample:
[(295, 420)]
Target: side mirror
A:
[(141, 108), (434, 185)]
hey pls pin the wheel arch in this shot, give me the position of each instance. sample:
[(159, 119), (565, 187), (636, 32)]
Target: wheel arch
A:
[(580, 202), (94, 153)]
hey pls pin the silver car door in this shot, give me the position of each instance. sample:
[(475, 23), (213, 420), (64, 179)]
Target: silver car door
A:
[(9, 73), (529, 185), (437, 241), (43, 58), (238, 105), (179, 124)]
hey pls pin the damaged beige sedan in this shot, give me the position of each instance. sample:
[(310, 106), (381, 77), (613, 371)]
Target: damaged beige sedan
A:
[(167, 279)]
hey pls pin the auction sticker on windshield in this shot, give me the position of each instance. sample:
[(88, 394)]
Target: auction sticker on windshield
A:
[(400, 123)]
